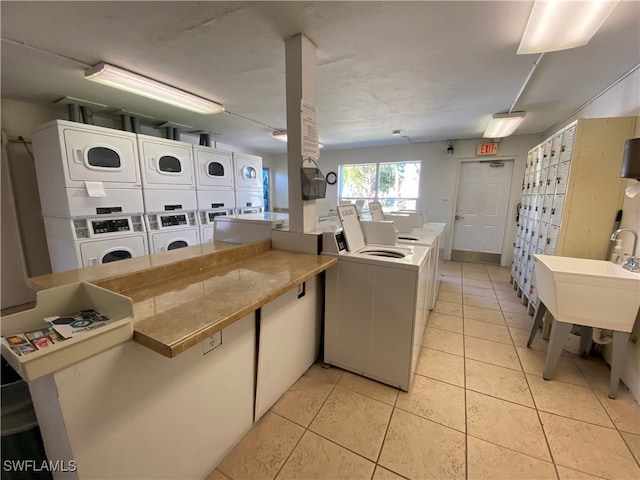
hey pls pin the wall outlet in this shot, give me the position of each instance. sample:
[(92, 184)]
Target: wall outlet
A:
[(214, 341), (445, 199)]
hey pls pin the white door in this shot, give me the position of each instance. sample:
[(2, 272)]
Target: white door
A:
[(247, 171), (214, 168), (166, 163), (481, 213), (101, 156), (106, 251)]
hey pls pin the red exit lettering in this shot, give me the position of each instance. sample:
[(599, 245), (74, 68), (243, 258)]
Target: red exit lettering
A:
[(487, 149)]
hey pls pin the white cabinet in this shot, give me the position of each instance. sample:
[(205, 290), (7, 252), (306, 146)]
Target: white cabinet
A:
[(570, 208), (289, 341)]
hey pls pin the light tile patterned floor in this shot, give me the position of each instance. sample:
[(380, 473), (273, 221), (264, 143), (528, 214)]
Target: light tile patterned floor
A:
[(478, 407)]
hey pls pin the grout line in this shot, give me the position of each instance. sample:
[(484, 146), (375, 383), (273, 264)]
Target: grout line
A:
[(306, 429), (464, 381)]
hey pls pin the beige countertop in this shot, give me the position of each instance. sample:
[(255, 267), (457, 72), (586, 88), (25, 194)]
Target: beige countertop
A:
[(184, 296)]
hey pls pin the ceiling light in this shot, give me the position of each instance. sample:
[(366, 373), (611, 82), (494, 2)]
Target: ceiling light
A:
[(503, 124), (282, 136), (134, 83), (558, 25)]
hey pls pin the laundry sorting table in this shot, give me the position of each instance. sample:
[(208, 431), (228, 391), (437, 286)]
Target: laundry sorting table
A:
[(172, 400)]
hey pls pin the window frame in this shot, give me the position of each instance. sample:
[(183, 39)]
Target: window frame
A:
[(376, 197)]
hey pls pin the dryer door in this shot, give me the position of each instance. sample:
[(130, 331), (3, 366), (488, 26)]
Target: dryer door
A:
[(247, 171), (214, 168), (112, 250), (172, 240), (104, 157), (166, 164)]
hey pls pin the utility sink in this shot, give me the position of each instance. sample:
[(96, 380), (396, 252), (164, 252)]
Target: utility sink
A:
[(593, 293)]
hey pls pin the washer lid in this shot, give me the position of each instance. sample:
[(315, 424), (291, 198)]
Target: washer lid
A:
[(348, 215)]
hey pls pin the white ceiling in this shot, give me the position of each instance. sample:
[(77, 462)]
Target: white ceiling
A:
[(434, 70)]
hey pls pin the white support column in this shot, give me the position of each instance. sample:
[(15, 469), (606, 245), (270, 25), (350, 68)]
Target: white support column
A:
[(300, 62)]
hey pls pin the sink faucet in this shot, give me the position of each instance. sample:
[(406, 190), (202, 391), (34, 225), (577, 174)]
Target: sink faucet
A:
[(632, 262)]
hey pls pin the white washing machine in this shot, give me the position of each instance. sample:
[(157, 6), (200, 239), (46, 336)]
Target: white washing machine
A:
[(375, 304), (83, 242), (247, 171), (86, 170), (168, 180), (172, 230), (207, 219), (213, 168)]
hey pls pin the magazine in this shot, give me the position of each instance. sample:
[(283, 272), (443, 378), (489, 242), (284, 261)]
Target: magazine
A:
[(72, 324), (58, 329), (24, 343)]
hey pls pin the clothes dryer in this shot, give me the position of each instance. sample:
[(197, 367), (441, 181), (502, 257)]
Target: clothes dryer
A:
[(375, 304), (172, 230), (168, 181), (247, 172), (86, 170), (213, 168), (83, 242)]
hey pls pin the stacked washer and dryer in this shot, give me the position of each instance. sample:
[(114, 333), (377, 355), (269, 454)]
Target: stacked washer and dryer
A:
[(249, 193), (110, 195), (169, 191), (214, 187), (91, 194)]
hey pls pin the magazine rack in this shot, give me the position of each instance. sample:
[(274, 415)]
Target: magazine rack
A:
[(59, 301)]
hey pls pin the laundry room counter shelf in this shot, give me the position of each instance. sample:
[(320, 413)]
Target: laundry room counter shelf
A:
[(178, 305)]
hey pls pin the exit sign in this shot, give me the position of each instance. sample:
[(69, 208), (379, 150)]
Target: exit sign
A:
[(487, 149)]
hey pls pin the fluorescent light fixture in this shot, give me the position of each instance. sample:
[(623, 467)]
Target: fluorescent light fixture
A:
[(134, 83), (503, 124), (282, 136), (559, 25)]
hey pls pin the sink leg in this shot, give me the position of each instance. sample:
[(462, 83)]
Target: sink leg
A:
[(586, 341), (537, 321), (620, 343), (559, 333)]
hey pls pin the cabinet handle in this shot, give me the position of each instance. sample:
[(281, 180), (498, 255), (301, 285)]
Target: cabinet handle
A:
[(78, 155), (548, 240), (562, 149), (558, 180), (553, 211), (553, 153)]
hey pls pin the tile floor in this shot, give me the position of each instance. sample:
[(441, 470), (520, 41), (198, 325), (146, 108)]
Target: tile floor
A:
[(478, 407)]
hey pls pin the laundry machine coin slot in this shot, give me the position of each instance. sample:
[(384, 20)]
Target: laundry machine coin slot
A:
[(175, 206)]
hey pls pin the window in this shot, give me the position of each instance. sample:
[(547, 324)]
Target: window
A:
[(394, 184)]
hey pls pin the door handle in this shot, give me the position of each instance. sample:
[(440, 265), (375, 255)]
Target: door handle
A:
[(459, 217)]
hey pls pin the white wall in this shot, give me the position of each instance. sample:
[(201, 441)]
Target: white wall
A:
[(438, 178)]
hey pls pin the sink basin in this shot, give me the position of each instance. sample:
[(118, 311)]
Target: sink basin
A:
[(594, 293)]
